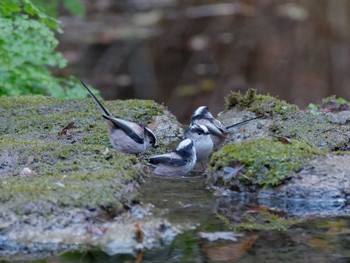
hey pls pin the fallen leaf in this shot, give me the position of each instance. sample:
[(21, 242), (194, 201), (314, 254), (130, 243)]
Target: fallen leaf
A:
[(139, 233), (66, 128), (284, 139)]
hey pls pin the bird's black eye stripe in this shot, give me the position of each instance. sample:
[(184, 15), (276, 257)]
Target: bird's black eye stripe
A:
[(197, 130)]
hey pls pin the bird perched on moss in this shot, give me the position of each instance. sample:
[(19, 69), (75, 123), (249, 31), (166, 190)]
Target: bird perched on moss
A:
[(216, 128), (125, 136)]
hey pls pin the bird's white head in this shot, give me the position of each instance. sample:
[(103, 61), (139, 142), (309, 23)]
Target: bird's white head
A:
[(202, 111)]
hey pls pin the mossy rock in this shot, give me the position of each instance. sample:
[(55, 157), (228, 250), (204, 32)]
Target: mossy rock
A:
[(77, 167), (259, 104), (314, 128), (267, 162), (327, 130)]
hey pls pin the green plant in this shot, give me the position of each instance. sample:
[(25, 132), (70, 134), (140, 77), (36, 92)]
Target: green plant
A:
[(51, 7), (27, 48)]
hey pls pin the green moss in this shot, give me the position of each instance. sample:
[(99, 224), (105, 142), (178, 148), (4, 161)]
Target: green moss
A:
[(260, 104), (267, 161), (334, 99), (71, 169), (75, 175), (38, 115), (313, 128)]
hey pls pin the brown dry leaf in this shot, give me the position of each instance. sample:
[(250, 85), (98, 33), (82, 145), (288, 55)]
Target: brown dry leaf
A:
[(139, 233), (284, 139), (66, 128)]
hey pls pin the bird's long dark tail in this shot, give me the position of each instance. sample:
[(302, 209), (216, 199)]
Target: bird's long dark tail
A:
[(104, 111), (243, 122)]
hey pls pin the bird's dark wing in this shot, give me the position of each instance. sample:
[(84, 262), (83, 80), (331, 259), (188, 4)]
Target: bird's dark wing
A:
[(151, 135), (168, 159), (132, 129), (104, 111), (213, 128)]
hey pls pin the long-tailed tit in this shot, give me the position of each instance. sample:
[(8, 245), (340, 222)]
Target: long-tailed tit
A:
[(202, 141), (125, 136), (178, 162), (216, 128)]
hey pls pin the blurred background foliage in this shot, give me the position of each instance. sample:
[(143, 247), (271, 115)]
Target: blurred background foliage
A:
[(195, 52), (28, 50)]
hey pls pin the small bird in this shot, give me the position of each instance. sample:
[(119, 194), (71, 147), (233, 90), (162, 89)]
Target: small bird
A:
[(216, 128), (125, 136), (202, 141), (178, 162)]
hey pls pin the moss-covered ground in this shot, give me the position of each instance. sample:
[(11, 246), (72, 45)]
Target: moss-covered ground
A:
[(76, 167), (267, 162), (312, 126), (260, 104)]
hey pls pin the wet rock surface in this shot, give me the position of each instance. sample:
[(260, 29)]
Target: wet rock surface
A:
[(137, 229), (62, 185), (323, 178)]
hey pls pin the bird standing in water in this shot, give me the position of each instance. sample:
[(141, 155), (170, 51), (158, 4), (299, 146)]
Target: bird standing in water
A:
[(178, 162), (202, 142)]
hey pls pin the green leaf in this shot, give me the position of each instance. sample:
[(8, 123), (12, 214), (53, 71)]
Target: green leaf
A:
[(8, 7)]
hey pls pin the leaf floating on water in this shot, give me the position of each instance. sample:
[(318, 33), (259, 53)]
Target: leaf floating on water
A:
[(213, 236)]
